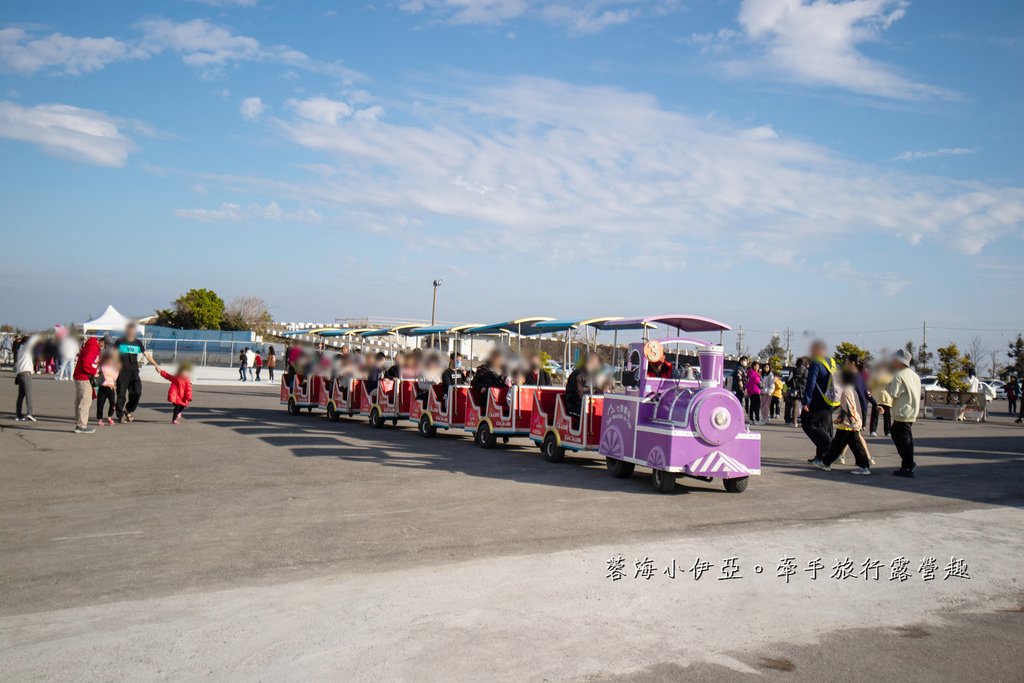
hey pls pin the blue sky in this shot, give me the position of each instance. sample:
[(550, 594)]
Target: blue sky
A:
[(830, 167)]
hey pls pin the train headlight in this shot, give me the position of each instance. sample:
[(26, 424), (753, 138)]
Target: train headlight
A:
[(721, 418)]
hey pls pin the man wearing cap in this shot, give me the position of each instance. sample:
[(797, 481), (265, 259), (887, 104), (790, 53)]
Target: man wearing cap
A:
[(905, 389)]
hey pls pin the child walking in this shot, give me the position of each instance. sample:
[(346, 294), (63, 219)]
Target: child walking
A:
[(180, 392), (106, 388)]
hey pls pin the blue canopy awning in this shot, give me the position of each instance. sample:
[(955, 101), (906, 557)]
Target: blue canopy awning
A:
[(522, 326)]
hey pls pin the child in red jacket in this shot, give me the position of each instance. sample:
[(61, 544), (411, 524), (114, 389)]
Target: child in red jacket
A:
[(180, 392)]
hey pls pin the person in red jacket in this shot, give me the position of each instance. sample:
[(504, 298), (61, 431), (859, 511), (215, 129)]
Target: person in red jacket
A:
[(85, 372), (180, 392)]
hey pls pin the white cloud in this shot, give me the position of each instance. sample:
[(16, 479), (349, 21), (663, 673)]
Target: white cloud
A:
[(321, 109), (914, 155), (210, 47), (537, 162), (252, 108), (236, 213), (201, 44), (576, 16), (66, 131), (816, 42), (23, 54), (228, 3)]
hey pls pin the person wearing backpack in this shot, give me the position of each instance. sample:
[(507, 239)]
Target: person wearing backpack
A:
[(739, 383), (821, 397)]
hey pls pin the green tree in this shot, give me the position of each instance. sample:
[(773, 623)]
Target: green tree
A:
[(953, 369), (1016, 354), (198, 309), (247, 313), (924, 360), (774, 349), (847, 350)]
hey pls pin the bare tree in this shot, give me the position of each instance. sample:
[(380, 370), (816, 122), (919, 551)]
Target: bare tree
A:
[(975, 352), (247, 313)]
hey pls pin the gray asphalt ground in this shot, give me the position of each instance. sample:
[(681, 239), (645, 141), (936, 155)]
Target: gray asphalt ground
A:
[(250, 544)]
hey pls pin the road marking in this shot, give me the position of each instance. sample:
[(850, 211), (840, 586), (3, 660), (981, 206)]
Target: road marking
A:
[(79, 538)]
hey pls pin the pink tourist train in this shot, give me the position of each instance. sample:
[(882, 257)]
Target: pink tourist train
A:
[(678, 427)]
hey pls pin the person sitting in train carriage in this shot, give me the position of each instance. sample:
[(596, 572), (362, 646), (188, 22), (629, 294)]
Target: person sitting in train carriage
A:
[(453, 374), (582, 380), (375, 371), (536, 375), (490, 374), (661, 369), (429, 375), (415, 362), (395, 371)]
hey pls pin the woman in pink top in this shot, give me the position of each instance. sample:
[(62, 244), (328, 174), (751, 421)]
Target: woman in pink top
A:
[(754, 391)]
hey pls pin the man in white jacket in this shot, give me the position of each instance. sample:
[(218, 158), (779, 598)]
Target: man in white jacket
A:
[(23, 368), (905, 389)]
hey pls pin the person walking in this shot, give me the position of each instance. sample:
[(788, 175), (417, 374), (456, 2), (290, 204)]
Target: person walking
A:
[(739, 382), (106, 392), (797, 387), (243, 362), (1012, 394), (849, 421), (250, 361), (820, 400), (271, 363), (753, 392), (86, 367), (129, 380), (905, 389), (259, 366), (767, 388), (67, 351), (24, 368), (179, 394), (6, 350), (879, 383)]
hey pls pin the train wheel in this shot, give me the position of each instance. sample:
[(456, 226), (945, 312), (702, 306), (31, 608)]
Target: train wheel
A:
[(293, 406), (552, 451), (737, 485), (620, 469), (332, 414), (376, 419), (484, 437), (426, 429), (664, 482)]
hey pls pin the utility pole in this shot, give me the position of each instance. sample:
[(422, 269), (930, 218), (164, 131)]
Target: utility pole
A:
[(739, 341), (789, 339), (433, 310)]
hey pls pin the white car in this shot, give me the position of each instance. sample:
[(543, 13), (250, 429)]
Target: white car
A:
[(931, 383)]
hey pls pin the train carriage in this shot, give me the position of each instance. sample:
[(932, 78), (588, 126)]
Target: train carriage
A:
[(503, 412), (551, 426), (342, 397), (441, 407), (298, 392)]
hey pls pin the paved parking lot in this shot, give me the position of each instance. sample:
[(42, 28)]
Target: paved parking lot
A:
[(250, 543)]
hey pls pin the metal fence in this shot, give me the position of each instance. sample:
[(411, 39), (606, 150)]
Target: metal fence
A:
[(204, 352)]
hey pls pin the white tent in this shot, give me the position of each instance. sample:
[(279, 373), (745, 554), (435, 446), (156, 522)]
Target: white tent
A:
[(110, 321)]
